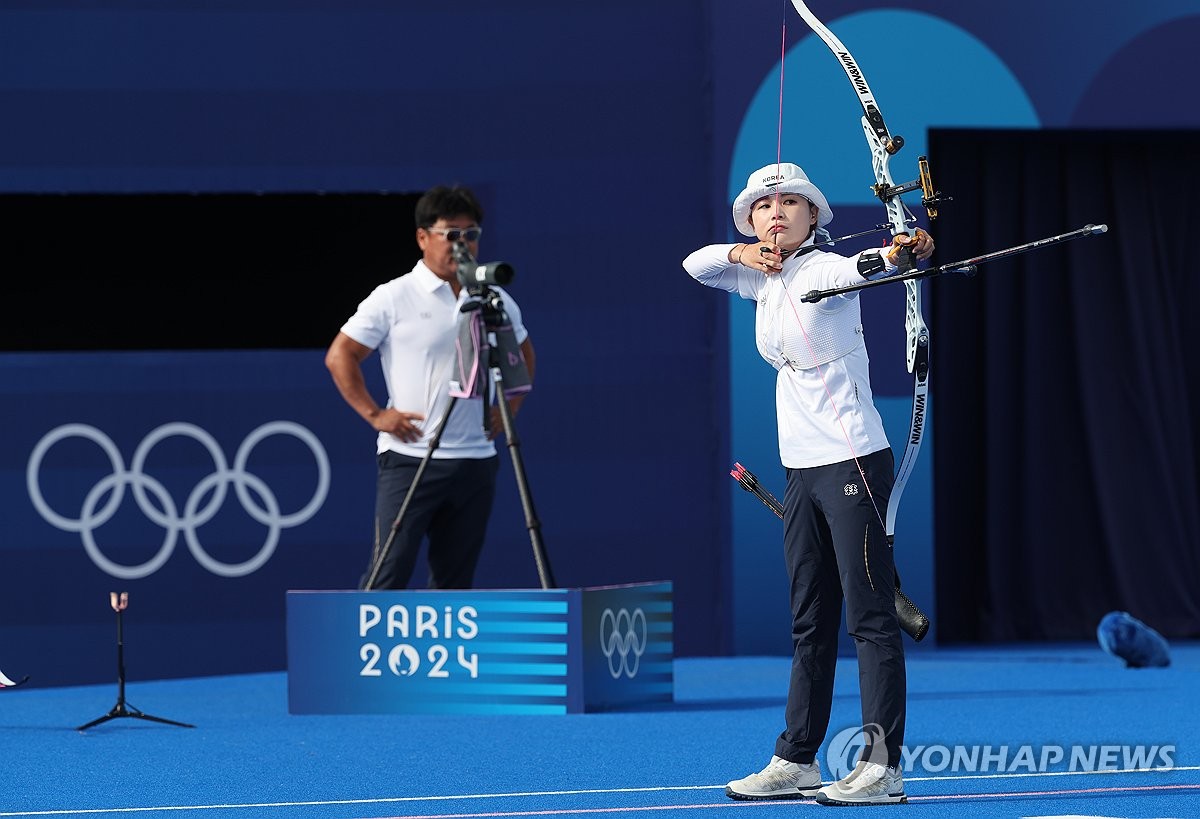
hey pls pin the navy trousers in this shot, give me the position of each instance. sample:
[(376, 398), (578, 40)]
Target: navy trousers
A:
[(835, 548), (449, 510)]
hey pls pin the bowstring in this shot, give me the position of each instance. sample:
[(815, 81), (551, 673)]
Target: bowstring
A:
[(795, 311)]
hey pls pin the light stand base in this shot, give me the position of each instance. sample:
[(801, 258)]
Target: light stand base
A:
[(122, 709), (119, 602)]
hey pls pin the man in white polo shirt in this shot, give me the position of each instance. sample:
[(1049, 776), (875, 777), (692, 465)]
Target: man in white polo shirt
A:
[(413, 321)]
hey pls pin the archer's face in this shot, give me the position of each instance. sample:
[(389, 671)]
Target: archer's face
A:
[(785, 219)]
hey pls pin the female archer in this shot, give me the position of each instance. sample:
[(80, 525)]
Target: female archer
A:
[(839, 469)]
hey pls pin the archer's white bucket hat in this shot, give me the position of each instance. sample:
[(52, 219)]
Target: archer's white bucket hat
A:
[(778, 177)]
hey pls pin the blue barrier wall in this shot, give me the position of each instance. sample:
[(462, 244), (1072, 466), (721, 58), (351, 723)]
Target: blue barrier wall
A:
[(606, 141), (208, 484)]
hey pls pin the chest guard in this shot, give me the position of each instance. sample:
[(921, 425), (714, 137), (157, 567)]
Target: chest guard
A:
[(833, 327)]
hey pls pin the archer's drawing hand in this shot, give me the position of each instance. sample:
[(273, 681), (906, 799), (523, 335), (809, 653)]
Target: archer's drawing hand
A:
[(761, 256), (766, 257), (400, 424)]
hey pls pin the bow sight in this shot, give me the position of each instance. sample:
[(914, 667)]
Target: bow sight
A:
[(930, 198)]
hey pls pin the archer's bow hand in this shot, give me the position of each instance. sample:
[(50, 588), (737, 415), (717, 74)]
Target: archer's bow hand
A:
[(918, 246)]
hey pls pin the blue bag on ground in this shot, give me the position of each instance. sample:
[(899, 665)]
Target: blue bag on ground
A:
[(1123, 635)]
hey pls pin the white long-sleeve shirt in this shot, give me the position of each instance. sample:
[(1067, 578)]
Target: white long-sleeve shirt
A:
[(823, 401)]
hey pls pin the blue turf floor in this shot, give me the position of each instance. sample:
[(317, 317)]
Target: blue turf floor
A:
[(1013, 709)]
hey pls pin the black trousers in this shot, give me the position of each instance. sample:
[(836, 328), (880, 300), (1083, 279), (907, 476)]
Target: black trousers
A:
[(450, 510), (835, 548)]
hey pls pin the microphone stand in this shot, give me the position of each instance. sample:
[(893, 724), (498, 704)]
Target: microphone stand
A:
[(119, 603)]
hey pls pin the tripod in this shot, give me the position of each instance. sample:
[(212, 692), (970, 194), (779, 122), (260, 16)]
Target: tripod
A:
[(119, 603), (493, 317)]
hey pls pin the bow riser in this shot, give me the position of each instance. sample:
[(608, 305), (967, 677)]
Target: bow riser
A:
[(884, 186)]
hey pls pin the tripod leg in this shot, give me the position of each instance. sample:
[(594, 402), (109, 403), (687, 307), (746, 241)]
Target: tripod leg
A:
[(140, 715), (114, 714), (97, 721), (377, 560), (545, 574)]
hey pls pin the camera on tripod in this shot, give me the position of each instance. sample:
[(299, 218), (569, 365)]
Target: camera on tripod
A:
[(486, 338), (478, 277)]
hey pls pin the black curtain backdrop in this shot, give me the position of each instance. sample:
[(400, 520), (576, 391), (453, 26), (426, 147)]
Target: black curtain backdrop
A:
[(1065, 383), (181, 271)]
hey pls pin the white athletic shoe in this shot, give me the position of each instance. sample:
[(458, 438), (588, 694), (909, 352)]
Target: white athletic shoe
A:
[(868, 784), (779, 780)]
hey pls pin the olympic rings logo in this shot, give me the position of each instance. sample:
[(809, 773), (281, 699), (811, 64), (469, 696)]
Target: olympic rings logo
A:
[(623, 639), (165, 514)]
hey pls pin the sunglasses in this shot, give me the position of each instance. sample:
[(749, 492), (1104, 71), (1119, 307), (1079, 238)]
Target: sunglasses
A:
[(454, 234)]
